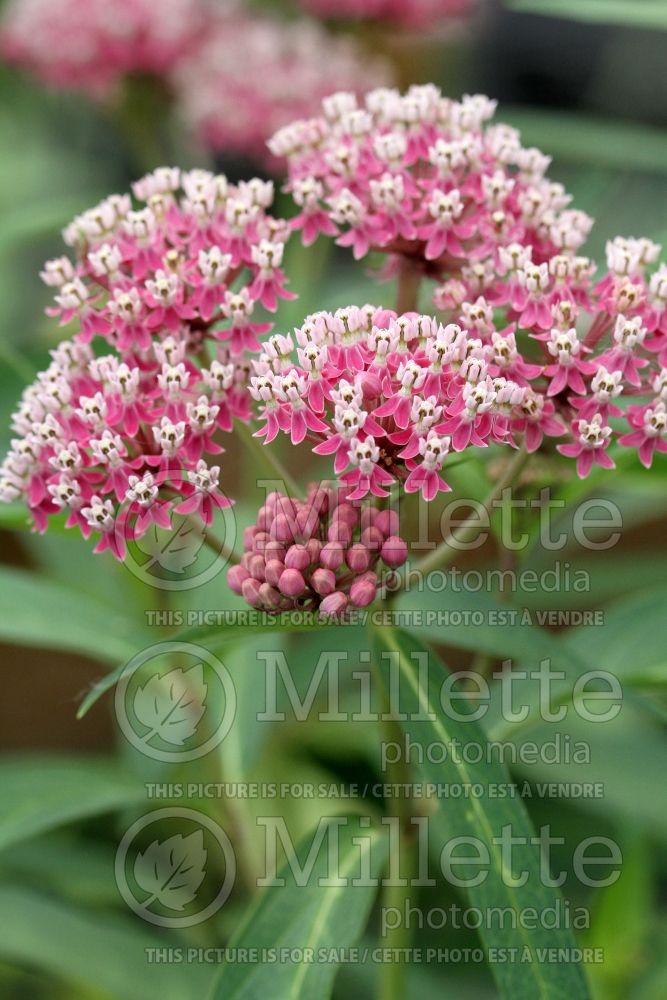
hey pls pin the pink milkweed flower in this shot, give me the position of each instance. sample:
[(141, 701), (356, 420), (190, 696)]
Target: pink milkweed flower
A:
[(628, 335), (205, 497), (568, 368), (367, 476), (650, 430), (590, 448), (425, 476)]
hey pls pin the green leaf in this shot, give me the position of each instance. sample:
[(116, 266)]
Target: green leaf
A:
[(635, 14), (633, 642), (482, 817), (306, 916), (41, 793), (49, 615), (106, 955), (576, 138)]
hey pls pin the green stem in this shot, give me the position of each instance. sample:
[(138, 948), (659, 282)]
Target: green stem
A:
[(392, 975), (267, 457), (214, 543), (445, 552)]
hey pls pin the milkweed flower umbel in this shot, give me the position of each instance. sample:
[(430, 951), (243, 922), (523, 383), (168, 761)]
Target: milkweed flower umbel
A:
[(123, 426), (251, 74), (319, 553), (91, 46)]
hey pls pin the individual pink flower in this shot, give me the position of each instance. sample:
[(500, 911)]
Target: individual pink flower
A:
[(415, 14), (649, 434), (593, 438)]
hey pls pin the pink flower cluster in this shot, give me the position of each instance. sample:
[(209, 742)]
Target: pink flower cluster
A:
[(118, 439), (450, 197), (407, 13), (91, 45), (253, 74), (424, 177), (321, 552)]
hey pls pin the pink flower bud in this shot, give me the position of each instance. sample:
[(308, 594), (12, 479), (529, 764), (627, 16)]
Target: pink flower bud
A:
[(256, 567), (314, 546), (291, 583), (259, 542), (386, 521), (273, 571), (394, 552), (236, 575), (334, 604), (264, 518), (323, 582), (358, 558), (250, 591), (339, 531), (297, 557), (347, 513), (274, 550), (270, 597), (283, 528), (248, 536), (368, 516), (364, 590), (332, 555), (372, 538)]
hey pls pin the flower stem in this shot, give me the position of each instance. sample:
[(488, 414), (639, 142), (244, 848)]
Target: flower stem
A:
[(445, 552), (214, 543), (267, 456), (408, 282)]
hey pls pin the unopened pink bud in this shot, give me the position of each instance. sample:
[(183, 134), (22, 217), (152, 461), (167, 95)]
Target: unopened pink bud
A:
[(273, 571), (323, 581), (256, 567), (269, 596), (250, 591), (387, 522), (334, 604), (332, 555), (291, 583), (274, 550), (347, 513), (297, 557), (282, 529), (235, 578), (358, 558), (259, 542), (372, 538), (339, 531), (364, 590), (264, 518), (394, 552), (248, 536), (314, 546)]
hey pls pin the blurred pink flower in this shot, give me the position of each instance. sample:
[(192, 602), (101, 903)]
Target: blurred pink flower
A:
[(408, 13)]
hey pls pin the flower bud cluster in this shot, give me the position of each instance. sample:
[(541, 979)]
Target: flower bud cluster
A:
[(322, 552)]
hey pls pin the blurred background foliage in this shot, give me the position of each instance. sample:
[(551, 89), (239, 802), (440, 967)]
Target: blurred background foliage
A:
[(587, 82)]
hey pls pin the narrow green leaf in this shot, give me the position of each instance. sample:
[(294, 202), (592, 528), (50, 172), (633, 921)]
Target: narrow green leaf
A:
[(482, 817), (635, 14), (306, 916), (46, 614), (41, 793), (576, 138), (106, 955)]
